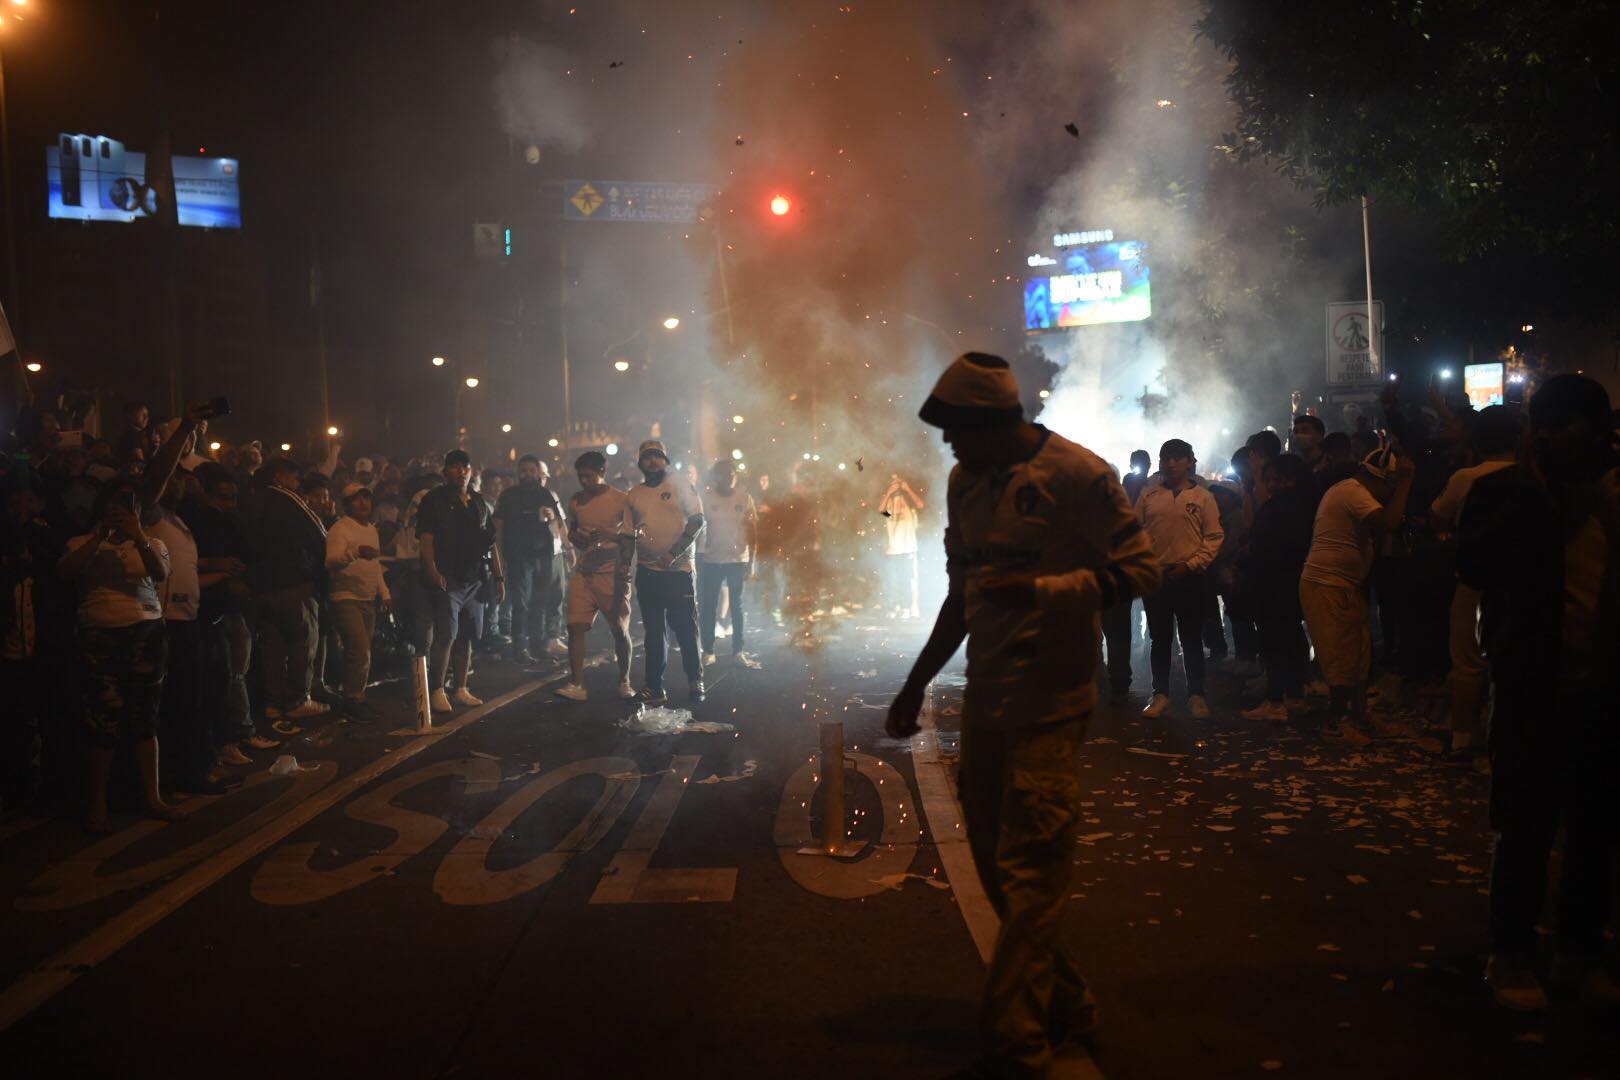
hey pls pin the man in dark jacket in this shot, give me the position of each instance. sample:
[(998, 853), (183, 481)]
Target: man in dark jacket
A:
[(1278, 544), (1541, 543), (292, 554)]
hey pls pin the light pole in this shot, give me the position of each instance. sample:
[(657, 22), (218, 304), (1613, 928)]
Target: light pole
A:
[(13, 306)]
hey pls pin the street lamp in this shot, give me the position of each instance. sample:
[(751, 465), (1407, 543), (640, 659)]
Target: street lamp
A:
[(611, 448), (332, 430), (506, 428), (214, 447), (472, 382), (737, 419), (621, 365), (12, 304), (438, 361), (672, 323), (286, 446), (34, 367), (552, 443)]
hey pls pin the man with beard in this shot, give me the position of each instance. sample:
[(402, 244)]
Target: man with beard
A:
[(668, 517), (528, 521), (600, 530), (1039, 538)]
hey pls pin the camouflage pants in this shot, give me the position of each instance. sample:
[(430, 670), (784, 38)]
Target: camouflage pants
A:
[(1021, 797), (123, 679)]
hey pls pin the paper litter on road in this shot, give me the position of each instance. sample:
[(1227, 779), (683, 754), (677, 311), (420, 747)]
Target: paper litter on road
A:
[(895, 881), (749, 769), (666, 721), (1149, 753)]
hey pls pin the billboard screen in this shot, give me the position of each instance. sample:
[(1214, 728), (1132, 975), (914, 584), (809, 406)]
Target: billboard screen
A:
[(1485, 384), (93, 178), (1087, 284)]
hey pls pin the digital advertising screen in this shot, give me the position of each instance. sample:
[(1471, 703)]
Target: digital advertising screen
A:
[(94, 178), (1485, 384), (1086, 284)]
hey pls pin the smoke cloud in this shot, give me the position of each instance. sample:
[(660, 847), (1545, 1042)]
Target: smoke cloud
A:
[(539, 106)]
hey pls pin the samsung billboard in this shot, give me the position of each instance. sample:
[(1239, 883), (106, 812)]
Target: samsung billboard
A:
[(1088, 278), (93, 178)]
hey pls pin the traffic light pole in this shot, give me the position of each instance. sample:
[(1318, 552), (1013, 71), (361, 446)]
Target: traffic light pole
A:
[(13, 306)]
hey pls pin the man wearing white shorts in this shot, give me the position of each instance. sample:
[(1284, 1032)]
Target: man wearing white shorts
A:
[(599, 520)]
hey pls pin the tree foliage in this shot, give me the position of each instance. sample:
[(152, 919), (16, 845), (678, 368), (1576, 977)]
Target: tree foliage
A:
[(1493, 119)]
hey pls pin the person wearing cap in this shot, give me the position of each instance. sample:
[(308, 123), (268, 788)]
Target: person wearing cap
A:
[(730, 544), (599, 527), (356, 588), (1352, 515), (1039, 538), (528, 523), (1541, 543), (668, 515), (292, 553), (458, 558)]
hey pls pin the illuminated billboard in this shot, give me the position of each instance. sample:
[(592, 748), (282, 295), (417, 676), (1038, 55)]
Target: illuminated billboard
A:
[(93, 178), (1485, 384), (1091, 278)]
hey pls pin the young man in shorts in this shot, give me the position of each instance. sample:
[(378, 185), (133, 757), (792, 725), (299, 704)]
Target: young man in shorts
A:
[(599, 527)]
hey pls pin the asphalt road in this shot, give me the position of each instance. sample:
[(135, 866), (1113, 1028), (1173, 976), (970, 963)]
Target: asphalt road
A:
[(551, 888)]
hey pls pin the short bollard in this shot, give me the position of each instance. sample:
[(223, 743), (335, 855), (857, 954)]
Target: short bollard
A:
[(835, 840), (424, 702)]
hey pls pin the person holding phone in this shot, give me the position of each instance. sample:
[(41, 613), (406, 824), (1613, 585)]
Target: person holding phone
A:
[(118, 569)]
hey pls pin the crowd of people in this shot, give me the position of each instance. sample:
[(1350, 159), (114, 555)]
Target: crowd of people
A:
[(160, 595)]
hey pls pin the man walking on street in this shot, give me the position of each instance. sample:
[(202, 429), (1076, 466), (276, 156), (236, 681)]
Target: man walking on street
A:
[(1184, 523), (457, 535), (1039, 538), (668, 517), (600, 530)]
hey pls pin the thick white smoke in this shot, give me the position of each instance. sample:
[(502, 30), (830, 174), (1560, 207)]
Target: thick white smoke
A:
[(539, 106)]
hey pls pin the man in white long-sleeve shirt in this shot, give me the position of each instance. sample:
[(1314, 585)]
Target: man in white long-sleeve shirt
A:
[(1039, 538), (1184, 523), (356, 586)]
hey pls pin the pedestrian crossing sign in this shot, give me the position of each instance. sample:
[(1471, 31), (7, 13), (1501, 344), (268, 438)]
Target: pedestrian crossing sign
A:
[(586, 200)]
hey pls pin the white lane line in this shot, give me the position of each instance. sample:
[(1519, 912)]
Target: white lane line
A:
[(34, 988), (950, 834), (950, 840)]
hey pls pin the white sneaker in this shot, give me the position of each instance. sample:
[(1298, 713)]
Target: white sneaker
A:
[(441, 701), (1514, 987), (556, 647), (231, 754), (708, 659), (465, 696), (1272, 712), (1157, 707), (626, 692), (1197, 707), (576, 692), (309, 708)]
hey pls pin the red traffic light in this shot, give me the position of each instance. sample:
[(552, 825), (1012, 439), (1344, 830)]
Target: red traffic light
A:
[(780, 205)]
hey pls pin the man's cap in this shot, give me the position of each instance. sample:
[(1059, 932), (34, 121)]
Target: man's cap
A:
[(591, 459), (351, 490), (457, 457), (653, 446), (1566, 397), (977, 391), (362, 465), (255, 443), (1380, 464)]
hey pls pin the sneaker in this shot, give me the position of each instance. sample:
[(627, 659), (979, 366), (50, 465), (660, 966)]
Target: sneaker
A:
[(556, 647), (747, 660), (522, 656), (285, 727), (1513, 986), (1272, 712), (465, 696), (1157, 707), (708, 659), (654, 696), (231, 754), (259, 742), (441, 701), (1584, 977), (573, 692), (309, 708), (625, 691), (1197, 707), (696, 693), (1346, 734)]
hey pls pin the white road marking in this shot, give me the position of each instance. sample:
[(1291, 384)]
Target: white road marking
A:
[(34, 988), (893, 853), (950, 834), (629, 879)]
